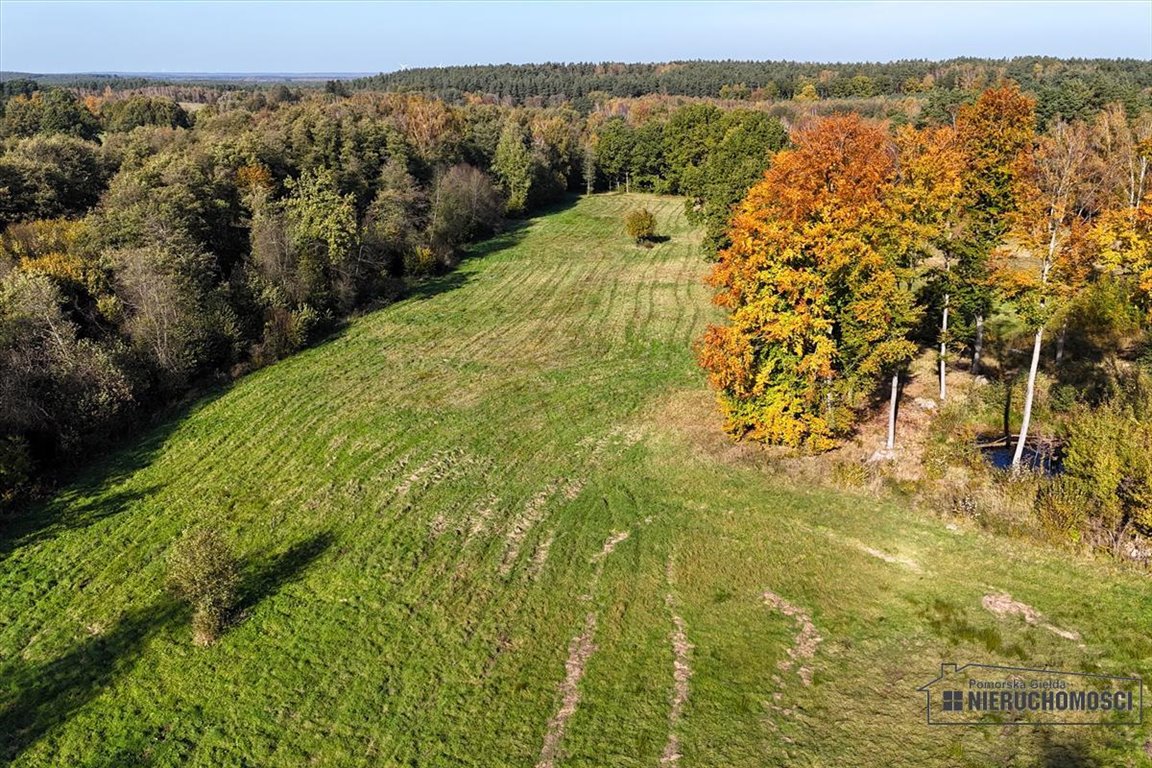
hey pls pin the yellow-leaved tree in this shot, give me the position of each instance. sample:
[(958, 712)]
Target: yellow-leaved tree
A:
[(819, 306)]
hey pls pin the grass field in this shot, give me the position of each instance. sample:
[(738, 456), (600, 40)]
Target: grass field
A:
[(496, 525)]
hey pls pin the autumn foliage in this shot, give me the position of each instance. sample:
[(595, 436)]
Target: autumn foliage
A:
[(859, 232), (813, 283)]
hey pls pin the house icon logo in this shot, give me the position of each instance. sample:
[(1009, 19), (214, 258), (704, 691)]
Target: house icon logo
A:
[(987, 694)]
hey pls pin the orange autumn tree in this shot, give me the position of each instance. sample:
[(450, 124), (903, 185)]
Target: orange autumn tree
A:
[(818, 312)]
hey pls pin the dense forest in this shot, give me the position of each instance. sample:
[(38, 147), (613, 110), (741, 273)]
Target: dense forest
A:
[(150, 249), (1071, 88), (156, 242)]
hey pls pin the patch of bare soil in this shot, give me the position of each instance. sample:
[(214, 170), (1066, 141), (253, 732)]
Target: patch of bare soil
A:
[(528, 518), (904, 562), (681, 672), (579, 651), (540, 555), (1002, 605), (610, 545), (479, 520), (807, 638)]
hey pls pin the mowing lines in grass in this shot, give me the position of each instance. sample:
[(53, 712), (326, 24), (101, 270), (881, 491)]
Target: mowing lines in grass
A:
[(579, 651)]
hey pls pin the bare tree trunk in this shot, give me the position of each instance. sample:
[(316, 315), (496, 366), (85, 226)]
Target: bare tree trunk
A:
[(1007, 410), (1060, 343), (892, 411), (944, 352), (1028, 394), (978, 346)]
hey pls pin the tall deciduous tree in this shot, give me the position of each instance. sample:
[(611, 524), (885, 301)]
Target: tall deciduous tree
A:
[(512, 166), (929, 200), (1050, 212), (1122, 233), (818, 312), (993, 131)]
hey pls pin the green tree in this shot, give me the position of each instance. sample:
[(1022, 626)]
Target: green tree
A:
[(50, 111), (614, 144), (648, 167), (125, 114), (738, 159), (513, 167), (394, 222), (689, 136), (50, 176)]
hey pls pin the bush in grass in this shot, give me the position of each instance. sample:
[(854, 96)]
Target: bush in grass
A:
[(203, 571), (1105, 492), (640, 224), (1062, 509)]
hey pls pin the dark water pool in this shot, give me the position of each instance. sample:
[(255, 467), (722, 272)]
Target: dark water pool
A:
[(1043, 457)]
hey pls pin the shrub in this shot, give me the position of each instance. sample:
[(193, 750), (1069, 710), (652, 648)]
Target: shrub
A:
[(203, 571), (640, 225), (420, 261), (1062, 509), (1106, 489)]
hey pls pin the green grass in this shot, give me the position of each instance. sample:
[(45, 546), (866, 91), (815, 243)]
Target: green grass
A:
[(421, 504)]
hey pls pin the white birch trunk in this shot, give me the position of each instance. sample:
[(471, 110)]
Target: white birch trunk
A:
[(944, 352), (1028, 393), (1031, 391), (978, 347), (892, 412)]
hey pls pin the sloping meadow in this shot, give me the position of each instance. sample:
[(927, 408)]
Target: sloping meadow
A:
[(496, 524)]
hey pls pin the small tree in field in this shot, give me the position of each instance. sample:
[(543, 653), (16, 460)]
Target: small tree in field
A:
[(641, 225), (203, 571)]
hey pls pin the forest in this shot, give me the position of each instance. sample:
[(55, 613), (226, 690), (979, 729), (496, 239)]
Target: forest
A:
[(1072, 88), (996, 215)]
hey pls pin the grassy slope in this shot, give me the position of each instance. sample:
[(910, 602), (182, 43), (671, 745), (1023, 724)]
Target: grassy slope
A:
[(421, 503)]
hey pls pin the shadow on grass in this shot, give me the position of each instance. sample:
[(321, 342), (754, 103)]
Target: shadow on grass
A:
[(89, 492), (950, 622), (36, 698), (1068, 750), (512, 234), (267, 576), (45, 695)]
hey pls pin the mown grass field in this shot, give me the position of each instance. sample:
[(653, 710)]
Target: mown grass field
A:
[(496, 524)]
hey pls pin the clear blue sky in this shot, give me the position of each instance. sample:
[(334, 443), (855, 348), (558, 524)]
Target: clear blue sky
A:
[(372, 37)]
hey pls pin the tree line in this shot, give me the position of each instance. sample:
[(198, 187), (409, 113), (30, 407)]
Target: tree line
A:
[(1070, 87), (862, 245), (147, 250)]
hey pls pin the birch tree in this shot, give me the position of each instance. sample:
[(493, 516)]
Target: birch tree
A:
[(1051, 209)]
